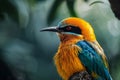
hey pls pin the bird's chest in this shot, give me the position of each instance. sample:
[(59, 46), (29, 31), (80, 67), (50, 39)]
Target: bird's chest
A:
[(67, 61)]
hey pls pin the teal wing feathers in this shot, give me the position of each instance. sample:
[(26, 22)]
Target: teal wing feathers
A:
[(93, 61)]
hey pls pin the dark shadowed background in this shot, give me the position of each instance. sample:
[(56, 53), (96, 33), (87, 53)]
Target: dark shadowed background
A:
[(27, 54)]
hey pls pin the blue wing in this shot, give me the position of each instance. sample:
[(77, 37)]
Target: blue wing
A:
[(93, 61)]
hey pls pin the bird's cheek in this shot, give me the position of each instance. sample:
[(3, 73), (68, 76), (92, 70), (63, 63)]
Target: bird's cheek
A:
[(60, 34)]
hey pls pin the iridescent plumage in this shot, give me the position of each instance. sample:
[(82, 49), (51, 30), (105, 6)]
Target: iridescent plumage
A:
[(79, 50)]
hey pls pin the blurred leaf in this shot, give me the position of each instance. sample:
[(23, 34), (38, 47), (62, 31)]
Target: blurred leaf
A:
[(31, 2), (115, 7), (55, 6), (70, 5), (6, 7), (53, 10), (40, 0)]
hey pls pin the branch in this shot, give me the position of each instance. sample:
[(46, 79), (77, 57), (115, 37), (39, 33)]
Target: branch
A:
[(84, 75)]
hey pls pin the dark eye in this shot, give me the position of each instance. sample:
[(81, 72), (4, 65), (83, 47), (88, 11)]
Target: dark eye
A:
[(68, 28), (72, 29)]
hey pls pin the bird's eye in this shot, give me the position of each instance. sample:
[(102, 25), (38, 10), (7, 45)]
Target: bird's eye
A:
[(68, 28)]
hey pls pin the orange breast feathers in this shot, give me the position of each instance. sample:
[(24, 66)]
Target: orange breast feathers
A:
[(67, 61)]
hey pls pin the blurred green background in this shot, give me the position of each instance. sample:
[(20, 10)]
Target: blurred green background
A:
[(27, 54)]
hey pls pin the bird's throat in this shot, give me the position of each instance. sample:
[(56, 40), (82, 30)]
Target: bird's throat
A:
[(69, 38)]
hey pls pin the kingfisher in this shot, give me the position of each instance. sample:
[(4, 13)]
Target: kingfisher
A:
[(79, 51)]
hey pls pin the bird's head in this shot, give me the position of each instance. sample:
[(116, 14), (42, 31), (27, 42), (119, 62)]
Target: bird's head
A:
[(73, 28)]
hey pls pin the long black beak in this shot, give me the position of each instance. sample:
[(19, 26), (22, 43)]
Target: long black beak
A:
[(52, 29)]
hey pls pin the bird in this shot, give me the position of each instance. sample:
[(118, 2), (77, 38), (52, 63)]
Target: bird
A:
[(79, 50)]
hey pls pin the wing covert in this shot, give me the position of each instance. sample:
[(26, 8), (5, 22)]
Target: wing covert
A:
[(92, 60)]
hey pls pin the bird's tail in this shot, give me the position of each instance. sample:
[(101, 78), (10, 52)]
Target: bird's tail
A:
[(108, 76)]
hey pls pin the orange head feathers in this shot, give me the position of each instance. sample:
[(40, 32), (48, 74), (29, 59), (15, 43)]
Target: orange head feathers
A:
[(73, 28)]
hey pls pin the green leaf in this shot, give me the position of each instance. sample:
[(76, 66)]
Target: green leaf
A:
[(70, 5), (53, 10), (40, 0), (6, 7)]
